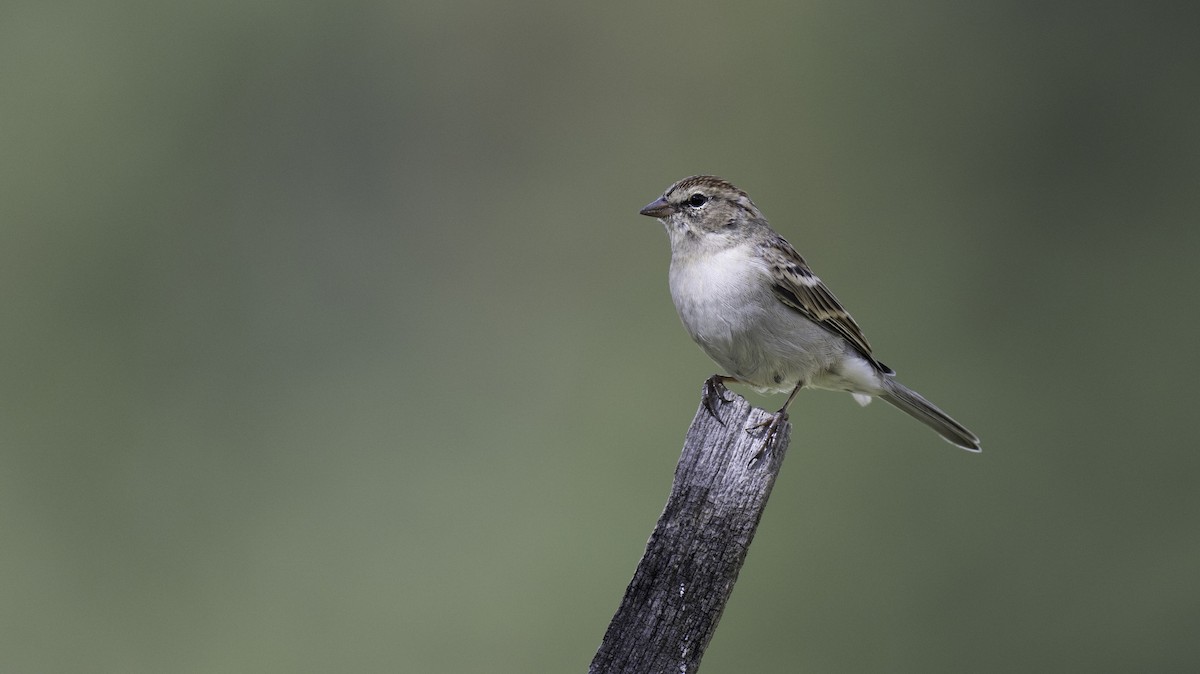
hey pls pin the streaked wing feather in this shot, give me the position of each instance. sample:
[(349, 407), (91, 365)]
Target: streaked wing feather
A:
[(796, 286)]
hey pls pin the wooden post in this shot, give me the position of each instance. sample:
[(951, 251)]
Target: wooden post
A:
[(671, 607)]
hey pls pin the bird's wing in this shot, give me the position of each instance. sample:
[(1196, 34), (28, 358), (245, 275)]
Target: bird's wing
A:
[(796, 286)]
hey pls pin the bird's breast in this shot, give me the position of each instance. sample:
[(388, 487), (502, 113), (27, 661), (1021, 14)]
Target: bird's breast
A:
[(721, 299), (726, 302), (712, 292)]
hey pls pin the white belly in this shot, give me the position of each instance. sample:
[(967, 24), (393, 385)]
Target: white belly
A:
[(726, 303)]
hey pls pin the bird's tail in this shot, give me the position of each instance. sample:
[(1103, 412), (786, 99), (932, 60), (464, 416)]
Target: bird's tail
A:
[(911, 403)]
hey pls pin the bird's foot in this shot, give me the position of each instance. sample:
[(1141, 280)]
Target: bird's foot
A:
[(714, 395), (769, 431)]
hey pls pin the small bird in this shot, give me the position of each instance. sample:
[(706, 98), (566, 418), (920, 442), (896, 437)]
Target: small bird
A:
[(753, 305)]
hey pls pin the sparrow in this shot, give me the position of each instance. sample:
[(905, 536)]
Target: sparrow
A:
[(752, 303)]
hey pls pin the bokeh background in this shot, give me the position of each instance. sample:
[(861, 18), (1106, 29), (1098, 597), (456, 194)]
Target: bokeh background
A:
[(332, 339)]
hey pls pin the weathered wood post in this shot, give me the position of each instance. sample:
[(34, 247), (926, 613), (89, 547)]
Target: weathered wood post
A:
[(671, 607)]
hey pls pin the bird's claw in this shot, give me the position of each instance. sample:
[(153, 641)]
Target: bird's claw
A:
[(770, 433), (714, 396)]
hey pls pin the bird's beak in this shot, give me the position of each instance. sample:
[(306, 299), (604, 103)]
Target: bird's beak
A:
[(657, 209)]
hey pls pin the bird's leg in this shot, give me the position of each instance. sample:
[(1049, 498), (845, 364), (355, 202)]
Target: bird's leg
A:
[(772, 423), (714, 394)]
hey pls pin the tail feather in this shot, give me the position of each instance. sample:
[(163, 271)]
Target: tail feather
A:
[(911, 403)]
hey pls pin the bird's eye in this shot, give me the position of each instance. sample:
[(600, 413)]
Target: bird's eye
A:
[(697, 200)]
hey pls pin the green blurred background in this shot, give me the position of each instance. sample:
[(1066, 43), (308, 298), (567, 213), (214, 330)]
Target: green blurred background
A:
[(333, 340)]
